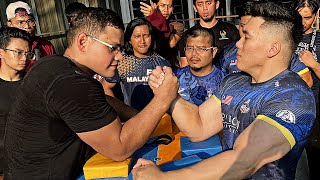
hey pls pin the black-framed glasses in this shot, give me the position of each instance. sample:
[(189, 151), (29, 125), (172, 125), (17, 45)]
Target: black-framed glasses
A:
[(114, 49), (198, 49), (30, 22), (19, 54)]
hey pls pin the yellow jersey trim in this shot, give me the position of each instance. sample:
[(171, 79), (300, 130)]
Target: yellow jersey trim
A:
[(216, 99), (303, 71)]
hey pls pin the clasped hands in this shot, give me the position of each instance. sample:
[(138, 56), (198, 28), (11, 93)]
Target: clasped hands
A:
[(163, 81)]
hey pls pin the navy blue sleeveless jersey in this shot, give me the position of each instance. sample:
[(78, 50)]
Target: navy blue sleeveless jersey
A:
[(197, 89), (284, 102)]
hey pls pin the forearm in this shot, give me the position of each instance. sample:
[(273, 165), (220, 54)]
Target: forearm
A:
[(138, 129), (174, 39), (124, 111), (186, 116), (316, 69), (221, 166)]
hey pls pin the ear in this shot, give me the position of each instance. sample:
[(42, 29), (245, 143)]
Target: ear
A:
[(9, 23), (214, 52), (82, 42), (217, 4), (274, 49), (195, 8)]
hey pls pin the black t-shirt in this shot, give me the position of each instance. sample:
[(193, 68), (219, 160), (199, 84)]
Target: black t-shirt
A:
[(7, 94), (224, 33), (55, 101)]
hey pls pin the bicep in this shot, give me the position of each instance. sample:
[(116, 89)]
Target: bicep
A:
[(105, 140), (261, 143), (211, 117)]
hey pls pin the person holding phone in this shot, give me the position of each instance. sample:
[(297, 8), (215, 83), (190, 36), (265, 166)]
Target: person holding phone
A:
[(168, 33)]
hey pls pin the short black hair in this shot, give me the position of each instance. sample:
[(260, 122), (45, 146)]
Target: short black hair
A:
[(280, 15), (312, 4), (129, 30), (245, 9), (93, 21), (73, 9), (201, 31), (7, 33)]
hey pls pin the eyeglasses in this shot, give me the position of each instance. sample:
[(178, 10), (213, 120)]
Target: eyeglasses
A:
[(114, 49), (198, 49), (19, 54), (30, 22)]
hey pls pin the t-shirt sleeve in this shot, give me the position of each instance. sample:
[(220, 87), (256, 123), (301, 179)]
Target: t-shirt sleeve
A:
[(160, 22), (217, 95), (80, 102), (297, 66), (292, 112)]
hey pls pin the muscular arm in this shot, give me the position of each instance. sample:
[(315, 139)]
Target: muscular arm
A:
[(197, 122), (119, 142), (259, 144)]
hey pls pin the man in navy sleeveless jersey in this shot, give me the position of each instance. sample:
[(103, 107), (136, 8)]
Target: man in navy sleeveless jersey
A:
[(265, 114)]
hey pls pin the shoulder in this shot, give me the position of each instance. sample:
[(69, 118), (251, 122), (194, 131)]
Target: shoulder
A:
[(157, 57), (230, 49), (235, 78), (292, 79), (227, 26), (54, 66)]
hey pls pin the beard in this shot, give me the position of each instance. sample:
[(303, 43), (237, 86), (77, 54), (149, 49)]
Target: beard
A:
[(208, 19), (197, 69)]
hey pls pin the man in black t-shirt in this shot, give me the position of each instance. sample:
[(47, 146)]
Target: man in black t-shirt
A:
[(224, 33), (15, 47), (61, 113)]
